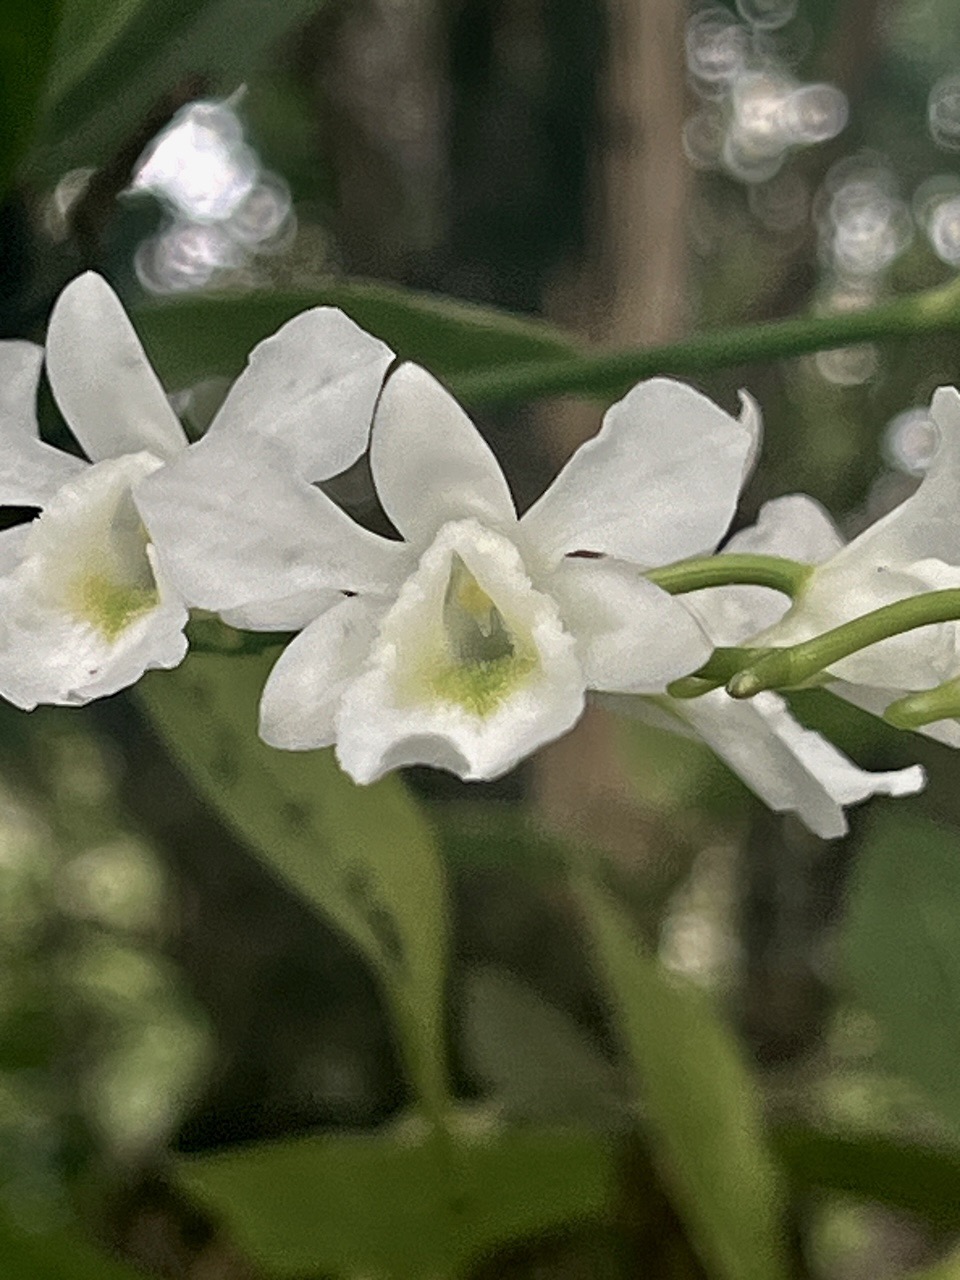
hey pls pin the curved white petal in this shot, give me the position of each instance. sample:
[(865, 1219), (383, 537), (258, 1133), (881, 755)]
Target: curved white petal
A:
[(420, 701), (843, 590), (285, 613), (658, 482), (12, 547), (791, 768), (236, 528), (30, 472), (303, 691), (632, 637), (312, 386), (101, 378), (925, 526), (794, 526), (430, 464), (86, 611)]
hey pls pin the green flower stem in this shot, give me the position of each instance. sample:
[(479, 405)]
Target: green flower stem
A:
[(720, 667), (610, 374), (918, 709), (781, 668), (777, 572)]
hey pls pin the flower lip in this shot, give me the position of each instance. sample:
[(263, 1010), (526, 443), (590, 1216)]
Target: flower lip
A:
[(470, 658)]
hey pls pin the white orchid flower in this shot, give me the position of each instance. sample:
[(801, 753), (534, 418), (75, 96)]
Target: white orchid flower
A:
[(473, 640), (791, 768), (913, 549), (85, 605)]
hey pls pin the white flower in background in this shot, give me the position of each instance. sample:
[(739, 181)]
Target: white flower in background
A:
[(791, 768), (85, 606), (913, 549), (473, 641)]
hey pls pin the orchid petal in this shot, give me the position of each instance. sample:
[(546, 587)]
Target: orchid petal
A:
[(430, 464), (87, 610), (632, 637), (101, 379), (312, 387), (30, 472), (658, 482), (791, 768), (304, 690), (415, 703), (794, 526), (235, 528)]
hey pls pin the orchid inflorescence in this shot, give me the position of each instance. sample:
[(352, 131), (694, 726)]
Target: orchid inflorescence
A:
[(475, 635)]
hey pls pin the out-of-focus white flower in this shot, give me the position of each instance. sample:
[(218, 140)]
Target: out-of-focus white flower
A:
[(791, 768), (474, 639), (913, 549), (85, 604)]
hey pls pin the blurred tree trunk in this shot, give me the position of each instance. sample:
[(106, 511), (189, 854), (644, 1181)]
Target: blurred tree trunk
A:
[(629, 290)]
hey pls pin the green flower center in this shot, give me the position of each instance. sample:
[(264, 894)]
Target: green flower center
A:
[(485, 662), (111, 606)]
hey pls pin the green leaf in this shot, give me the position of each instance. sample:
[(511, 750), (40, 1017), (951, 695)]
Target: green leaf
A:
[(901, 948), (138, 59), (197, 337), (916, 1179), (699, 1101), (27, 32), (61, 1255), (387, 1206), (363, 856), (535, 1060)]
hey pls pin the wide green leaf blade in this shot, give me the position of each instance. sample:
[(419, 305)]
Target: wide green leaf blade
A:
[(393, 1206), (61, 1255), (197, 337), (27, 32), (363, 856), (699, 1102), (901, 948)]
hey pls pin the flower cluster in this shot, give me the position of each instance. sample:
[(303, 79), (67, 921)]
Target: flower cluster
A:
[(474, 634)]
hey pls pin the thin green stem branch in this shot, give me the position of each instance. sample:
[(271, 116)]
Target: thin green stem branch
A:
[(780, 668), (610, 374), (776, 572), (927, 707)]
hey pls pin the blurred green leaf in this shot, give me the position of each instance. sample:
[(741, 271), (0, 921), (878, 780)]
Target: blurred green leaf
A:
[(195, 338), (123, 65), (27, 32), (901, 949), (60, 1255), (946, 1269), (535, 1060), (363, 856), (917, 1179), (701, 1106), (387, 1206)]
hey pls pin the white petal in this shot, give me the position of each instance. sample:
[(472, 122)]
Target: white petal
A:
[(794, 526), (401, 710), (658, 482), (30, 472), (286, 613), (236, 528), (844, 589), (312, 387), (791, 768), (430, 464), (12, 546), (86, 611), (304, 689), (925, 526), (106, 388), (632, 637)]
